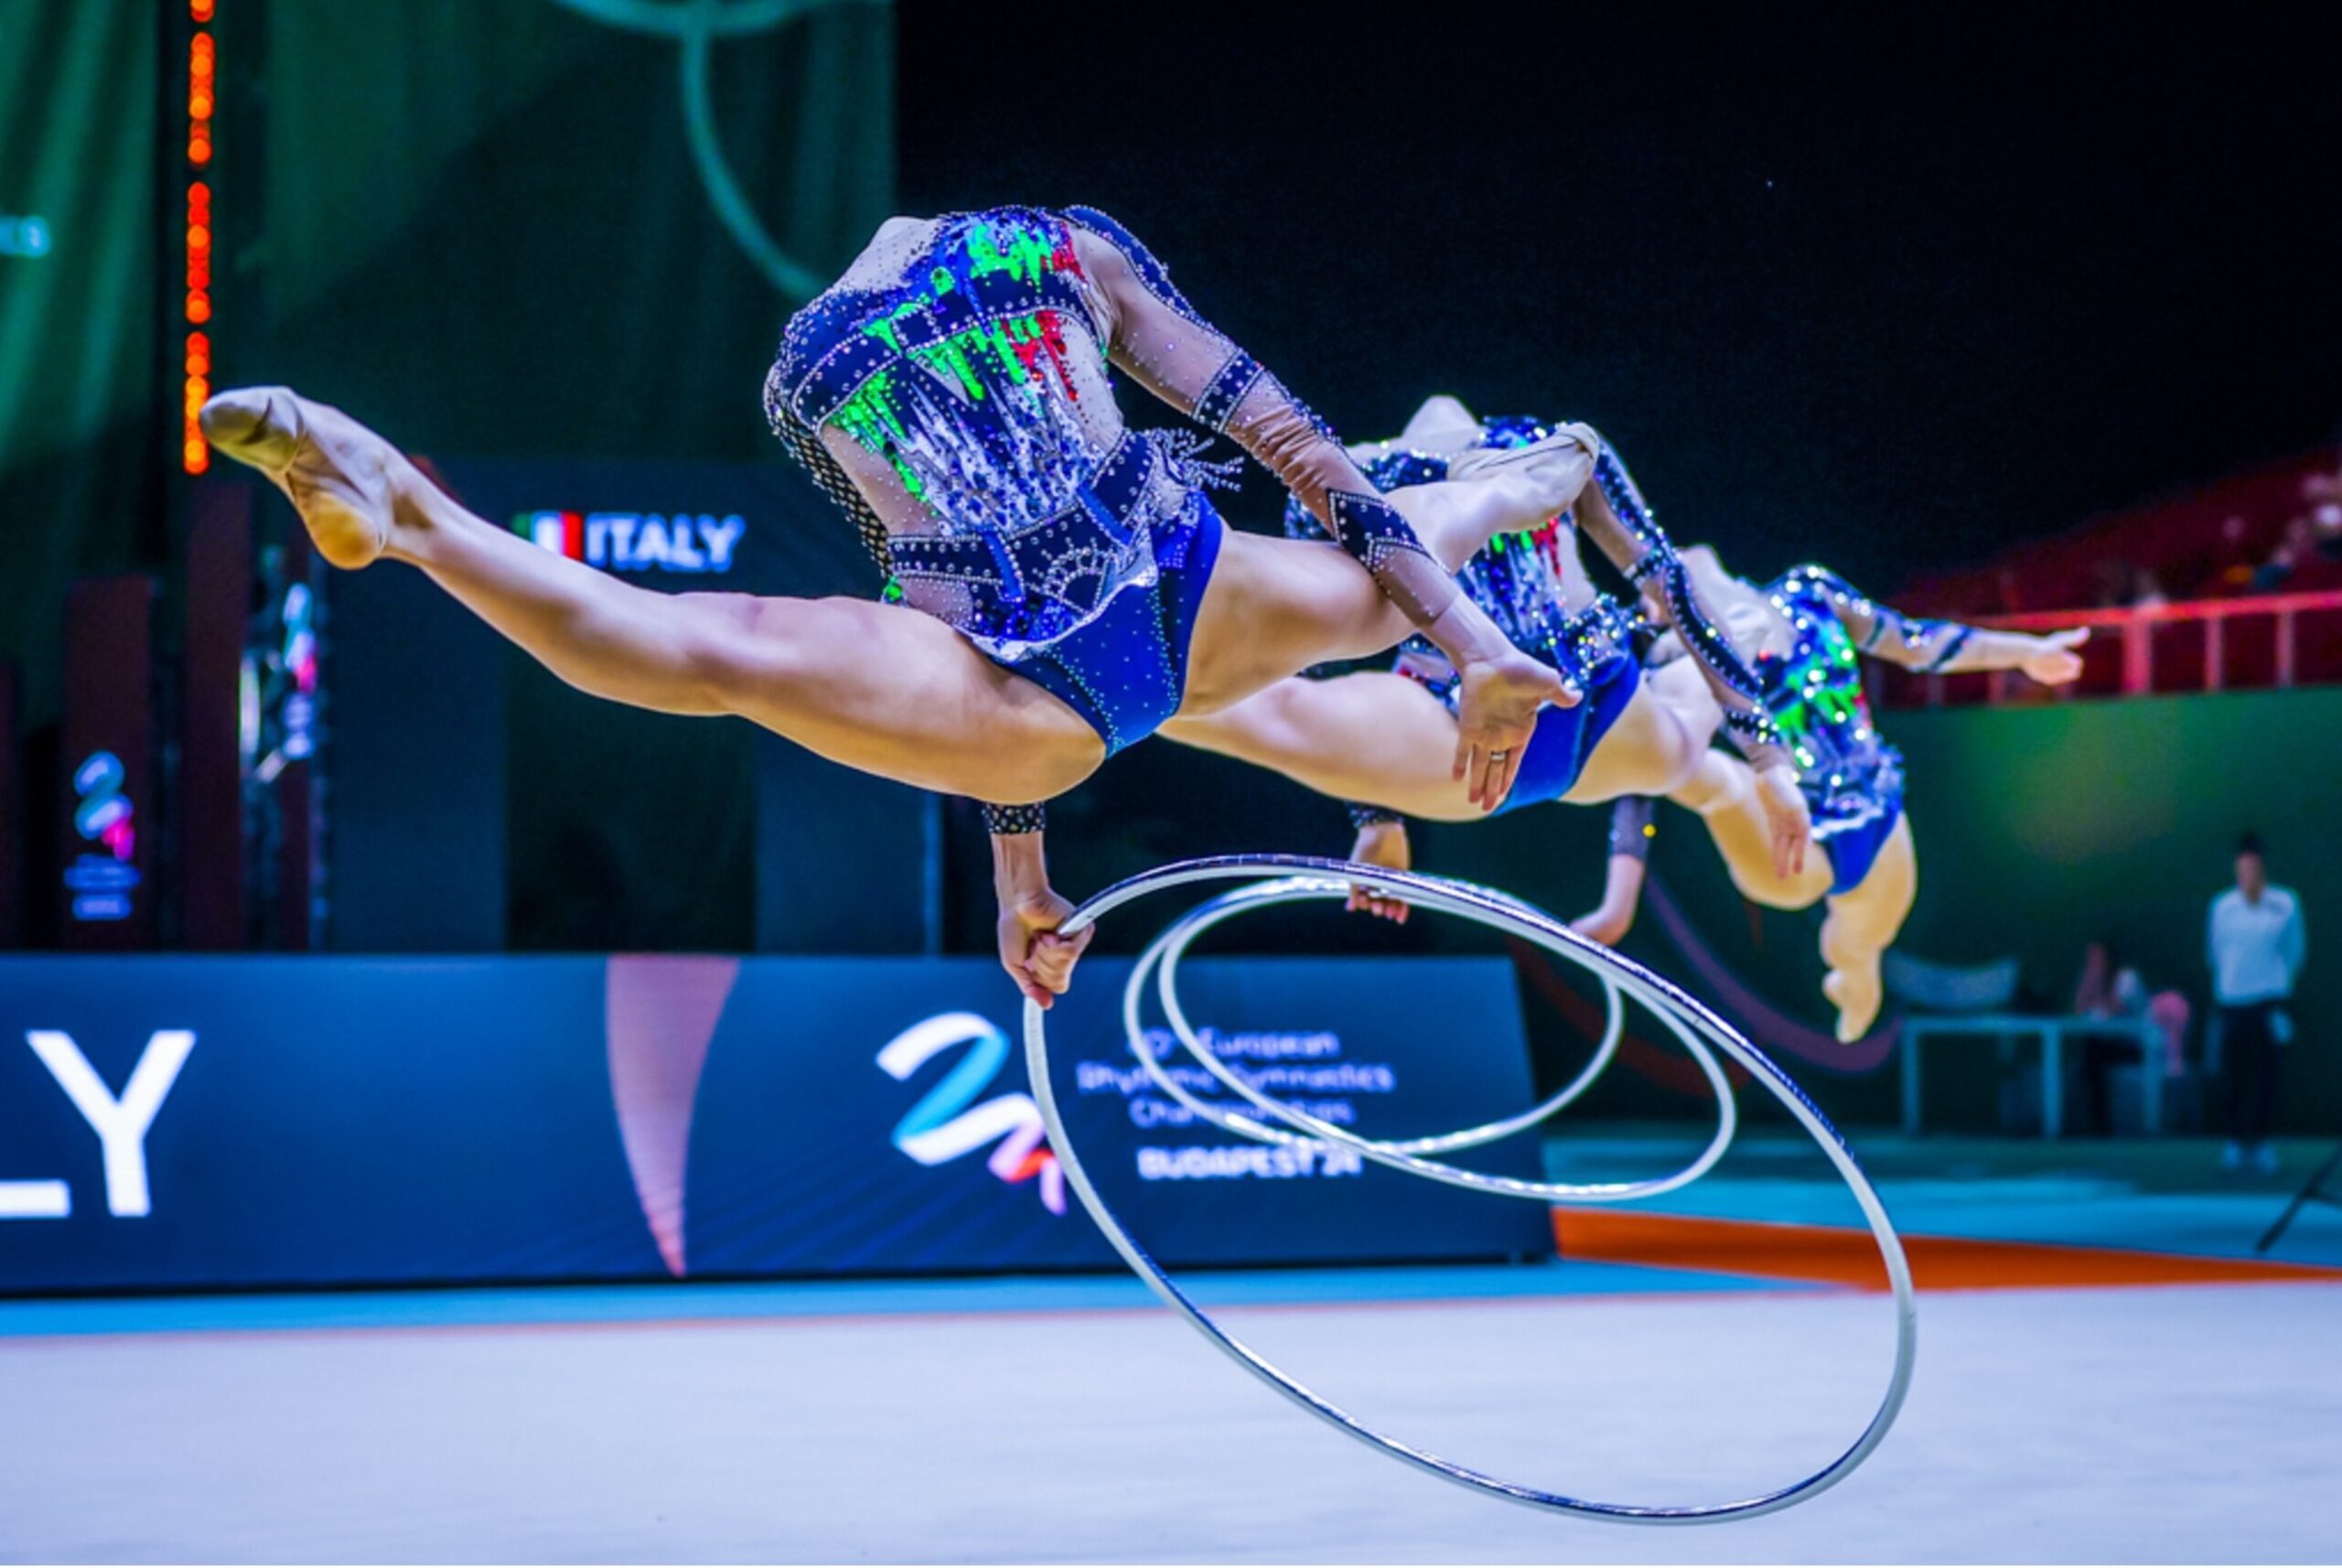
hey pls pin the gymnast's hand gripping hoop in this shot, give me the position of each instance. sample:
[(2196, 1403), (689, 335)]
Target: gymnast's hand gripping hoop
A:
[(1316, 878)]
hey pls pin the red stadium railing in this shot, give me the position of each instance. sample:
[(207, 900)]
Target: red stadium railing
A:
[(2204, 645)]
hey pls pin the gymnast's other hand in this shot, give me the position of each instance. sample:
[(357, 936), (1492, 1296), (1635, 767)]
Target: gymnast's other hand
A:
[(1786, 821), (1498, 700), (2054, 661), (1385, 845)]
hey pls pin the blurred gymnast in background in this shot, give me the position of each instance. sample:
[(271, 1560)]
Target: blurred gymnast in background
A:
[(1806, 633)]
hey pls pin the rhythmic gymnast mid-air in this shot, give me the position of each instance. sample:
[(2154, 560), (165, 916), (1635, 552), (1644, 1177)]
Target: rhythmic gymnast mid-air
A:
[(1059, 587), (1804, 633)]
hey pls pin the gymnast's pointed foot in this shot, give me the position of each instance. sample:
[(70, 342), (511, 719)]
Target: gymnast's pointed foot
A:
[(1857, 989), (349, 485)]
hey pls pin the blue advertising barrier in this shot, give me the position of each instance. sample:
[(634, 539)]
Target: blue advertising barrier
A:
[(227, 1121)]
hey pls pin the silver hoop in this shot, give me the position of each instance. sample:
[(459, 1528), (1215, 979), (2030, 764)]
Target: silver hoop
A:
[(1656, 993), (1163, 957)]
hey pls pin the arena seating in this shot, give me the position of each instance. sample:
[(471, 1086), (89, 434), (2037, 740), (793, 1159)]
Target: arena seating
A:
[(2215, 621)]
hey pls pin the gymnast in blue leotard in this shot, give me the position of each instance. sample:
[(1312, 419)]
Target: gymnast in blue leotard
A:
[(1805, 634)]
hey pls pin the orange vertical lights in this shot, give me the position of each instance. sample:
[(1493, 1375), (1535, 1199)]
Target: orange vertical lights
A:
[(202, 98), (200, 60)]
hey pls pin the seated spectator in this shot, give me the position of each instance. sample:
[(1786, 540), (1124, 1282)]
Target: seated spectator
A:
[(2093, 990), (2313, 537), (2124, 584), (2296, 547)]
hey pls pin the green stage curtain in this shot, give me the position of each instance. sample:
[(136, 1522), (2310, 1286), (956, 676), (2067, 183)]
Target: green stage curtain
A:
[(559, 228), (79, 451)]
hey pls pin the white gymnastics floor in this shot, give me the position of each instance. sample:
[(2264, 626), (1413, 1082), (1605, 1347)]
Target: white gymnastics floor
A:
[(2199, 1422)]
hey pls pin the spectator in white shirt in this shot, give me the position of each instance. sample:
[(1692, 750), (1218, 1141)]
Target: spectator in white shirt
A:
[(2255, 941)]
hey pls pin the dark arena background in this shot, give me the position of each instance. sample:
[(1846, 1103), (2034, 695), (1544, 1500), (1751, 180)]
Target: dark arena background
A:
[(448, 1116)]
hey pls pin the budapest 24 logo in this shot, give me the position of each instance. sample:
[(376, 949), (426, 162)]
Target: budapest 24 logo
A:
[(948, 1121)]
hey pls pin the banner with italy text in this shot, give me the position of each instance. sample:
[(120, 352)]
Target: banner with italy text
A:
[(282, 1122)]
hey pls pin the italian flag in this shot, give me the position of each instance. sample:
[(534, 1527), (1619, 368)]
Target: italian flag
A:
[(563, 532)]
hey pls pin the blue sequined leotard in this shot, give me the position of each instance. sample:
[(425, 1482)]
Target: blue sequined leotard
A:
[(965, 372), (1853, 780), (951, 392)]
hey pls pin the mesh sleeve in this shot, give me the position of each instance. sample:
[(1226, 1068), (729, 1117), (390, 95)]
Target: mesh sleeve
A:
[(1612, 512), (1632, 827), (1883, 632), (1165, 344)]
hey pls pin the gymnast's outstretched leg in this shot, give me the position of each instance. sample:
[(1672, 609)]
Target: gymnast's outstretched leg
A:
[(877, 687), (1383, 739), (1372, 736)]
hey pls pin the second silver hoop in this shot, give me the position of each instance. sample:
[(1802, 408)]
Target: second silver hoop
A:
[(1161, 960)]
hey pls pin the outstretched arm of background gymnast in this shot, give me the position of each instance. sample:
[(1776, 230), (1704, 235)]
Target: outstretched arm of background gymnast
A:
[(1157, 339), (1944, 646), (1622, 884)]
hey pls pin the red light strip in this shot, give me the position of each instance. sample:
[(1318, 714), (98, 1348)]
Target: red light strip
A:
[(202, 93)]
